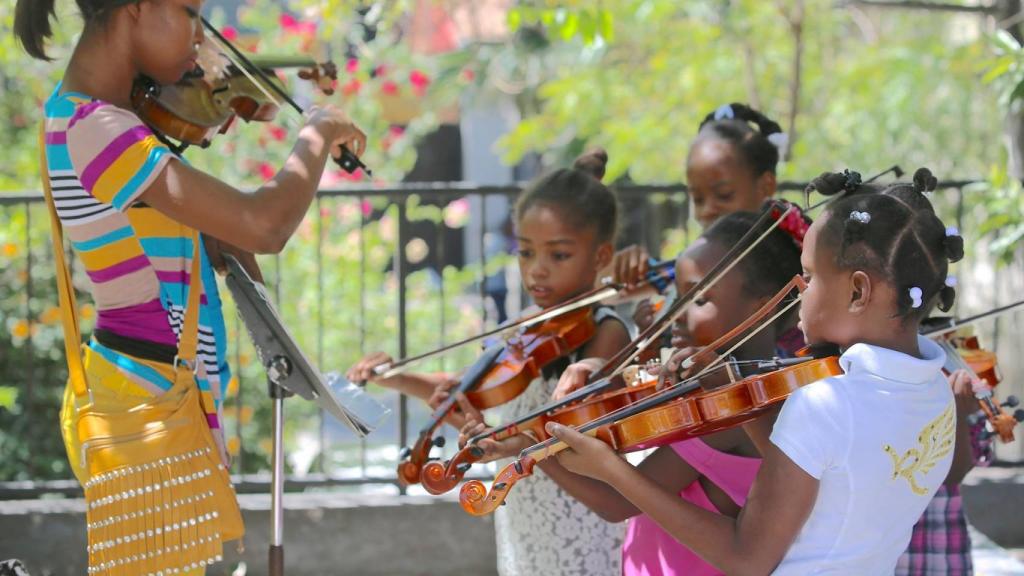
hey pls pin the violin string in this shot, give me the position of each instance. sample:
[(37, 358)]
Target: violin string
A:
[(244, 69), (611, 289), (752, 333), (655, 399), (642, 344), (592, 297), (601, 377), (955, 323), (807, 194)]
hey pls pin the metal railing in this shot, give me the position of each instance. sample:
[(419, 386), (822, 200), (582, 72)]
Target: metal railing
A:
[(389, 295)]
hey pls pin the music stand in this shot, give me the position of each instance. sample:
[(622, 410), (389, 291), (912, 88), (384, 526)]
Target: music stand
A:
[(290, 372)]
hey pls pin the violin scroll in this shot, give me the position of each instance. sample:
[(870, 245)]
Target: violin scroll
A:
[(323, 75), (477, 500)]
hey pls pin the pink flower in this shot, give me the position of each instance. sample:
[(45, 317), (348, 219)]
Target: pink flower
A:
[(388, 87), (289, 24), (266, 171), (351, 87), (367, 208), (352, 66), (396, 130), (456, 214), (468, 74), (287, 21), (230, 33), (380, 70), (419, 81), (278, 133)]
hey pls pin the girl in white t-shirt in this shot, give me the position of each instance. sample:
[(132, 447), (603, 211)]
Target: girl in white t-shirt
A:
[(853, 459)]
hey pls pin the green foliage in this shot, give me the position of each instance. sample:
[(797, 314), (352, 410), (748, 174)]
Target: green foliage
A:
[(338, 265), (876, 87)]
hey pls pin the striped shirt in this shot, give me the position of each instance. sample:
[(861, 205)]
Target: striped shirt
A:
[(100, 159)]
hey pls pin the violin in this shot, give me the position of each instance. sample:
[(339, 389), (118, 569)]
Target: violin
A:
[(963, 352), (207, 101), (499, 375), (439, 478), (662, 418)]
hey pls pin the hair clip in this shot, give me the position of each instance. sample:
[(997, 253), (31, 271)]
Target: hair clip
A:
[(951, 281), (780, 140), (724, 112), (853, 180), (952, 231), (915, 297), (862, 217)]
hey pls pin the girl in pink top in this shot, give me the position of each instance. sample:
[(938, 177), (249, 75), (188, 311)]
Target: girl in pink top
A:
[(714, 472)]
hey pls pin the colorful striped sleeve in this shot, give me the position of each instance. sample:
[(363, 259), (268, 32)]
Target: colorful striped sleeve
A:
[(115, 155)]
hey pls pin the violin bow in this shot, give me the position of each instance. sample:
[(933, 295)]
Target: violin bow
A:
[(348, 160), (588, 298), (895, 169), (953, 324), (604, 378), (439, 478)]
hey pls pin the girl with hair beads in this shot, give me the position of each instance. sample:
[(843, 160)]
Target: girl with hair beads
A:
[(565, 226), (853, 459), (133, 212), (730, 168), (714, 472)]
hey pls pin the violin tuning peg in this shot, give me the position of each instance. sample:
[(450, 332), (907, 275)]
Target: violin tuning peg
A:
[(404, 453), (504, 502), (464, 467), (1011, 402), (438, 441), (1018, 415), (499, 486), (476, 452)]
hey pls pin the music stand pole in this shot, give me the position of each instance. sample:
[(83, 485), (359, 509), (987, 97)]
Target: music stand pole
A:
[(278, 370)]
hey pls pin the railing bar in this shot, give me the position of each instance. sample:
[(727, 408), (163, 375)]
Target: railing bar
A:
[(483, 259), (362, 310), (320, 323)]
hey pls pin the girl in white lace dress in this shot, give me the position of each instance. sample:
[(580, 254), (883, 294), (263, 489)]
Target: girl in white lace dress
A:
[(565, 228)]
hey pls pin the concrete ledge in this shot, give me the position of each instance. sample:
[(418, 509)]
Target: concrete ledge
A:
[(994, 502), (325, 534)]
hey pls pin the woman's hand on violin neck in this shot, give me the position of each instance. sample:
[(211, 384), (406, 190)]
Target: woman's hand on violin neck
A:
[(586, 456), (337, 129), (575, 377), (215, 250)]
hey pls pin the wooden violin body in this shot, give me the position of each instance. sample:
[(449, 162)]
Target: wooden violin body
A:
[(706, 412), (505, 377), (692, 415), (965, 352), (439, 478)]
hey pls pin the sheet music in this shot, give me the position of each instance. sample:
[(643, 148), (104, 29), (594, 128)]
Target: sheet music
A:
[(289, 367)]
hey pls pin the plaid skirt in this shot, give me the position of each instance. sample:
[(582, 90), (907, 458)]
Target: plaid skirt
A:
[(940, 544)]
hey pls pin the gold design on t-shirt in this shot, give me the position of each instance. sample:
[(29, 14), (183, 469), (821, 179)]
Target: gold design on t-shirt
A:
[(934, 442)]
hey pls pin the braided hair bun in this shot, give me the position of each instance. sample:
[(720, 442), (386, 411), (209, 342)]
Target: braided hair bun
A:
[(593, 162)]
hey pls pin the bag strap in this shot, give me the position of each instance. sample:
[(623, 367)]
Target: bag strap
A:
[(189, 341)]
